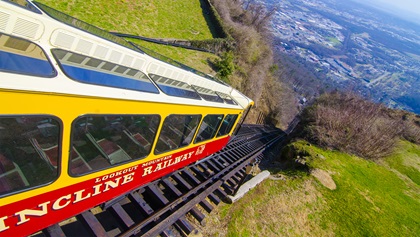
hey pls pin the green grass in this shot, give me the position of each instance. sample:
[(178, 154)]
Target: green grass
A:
[(334, 41), (174, 19), (192, 58), (407, 161), (179, 19), (371, 199)]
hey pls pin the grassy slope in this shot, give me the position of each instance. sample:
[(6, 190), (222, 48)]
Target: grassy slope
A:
[(406, 161), (370, 200), (178, 19), (195, 59)]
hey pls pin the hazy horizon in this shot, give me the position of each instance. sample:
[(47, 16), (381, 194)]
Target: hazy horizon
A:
[(405, 9)]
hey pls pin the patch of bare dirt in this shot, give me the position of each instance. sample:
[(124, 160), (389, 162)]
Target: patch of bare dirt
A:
[(324, 178)]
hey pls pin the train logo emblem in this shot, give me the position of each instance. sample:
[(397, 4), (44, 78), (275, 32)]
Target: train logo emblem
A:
[(200, 149)]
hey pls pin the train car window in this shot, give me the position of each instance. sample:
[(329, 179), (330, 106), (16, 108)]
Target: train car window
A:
[(208, 94), (226, 98), (24, 4), (208, 127), (102, 141), (95, 71), (29, 152), (177, 131), (24, 57), (242, 119), (174, 87), (227, 124)]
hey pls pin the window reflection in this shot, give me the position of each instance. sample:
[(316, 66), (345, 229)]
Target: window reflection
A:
[(208, 127), (177, 131), (95, 71), (29, 152), (227, 124), (208, 94), (175, 88), (99, 142), (22, 56), (226, 98)]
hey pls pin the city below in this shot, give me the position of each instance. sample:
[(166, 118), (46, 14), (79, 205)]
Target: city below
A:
[(348, 45)]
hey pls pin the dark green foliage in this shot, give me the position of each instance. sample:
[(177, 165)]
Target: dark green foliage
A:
[(214, 45), (214, 17), (225, 66)]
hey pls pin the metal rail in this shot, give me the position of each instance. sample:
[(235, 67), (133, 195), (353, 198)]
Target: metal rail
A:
[(165, 207)]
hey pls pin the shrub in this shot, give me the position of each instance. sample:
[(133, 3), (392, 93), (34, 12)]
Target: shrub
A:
[(351, 124), (225, 66), (411, 125)]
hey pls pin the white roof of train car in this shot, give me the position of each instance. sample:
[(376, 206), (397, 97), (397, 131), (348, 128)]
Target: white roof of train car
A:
[(50, 33)]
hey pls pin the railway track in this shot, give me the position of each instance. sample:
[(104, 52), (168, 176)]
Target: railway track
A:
[(170, 205)]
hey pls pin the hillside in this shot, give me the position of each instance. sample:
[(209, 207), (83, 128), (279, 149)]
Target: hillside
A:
[(365, 181), (149, 18), (369, 198)]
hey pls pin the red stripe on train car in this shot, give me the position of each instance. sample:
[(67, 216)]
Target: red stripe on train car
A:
[(35, 213)]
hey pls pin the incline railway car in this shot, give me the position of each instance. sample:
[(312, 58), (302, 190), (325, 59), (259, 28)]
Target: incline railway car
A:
[(87, 117)]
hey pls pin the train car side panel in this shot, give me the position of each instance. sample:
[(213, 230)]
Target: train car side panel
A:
[(87, 117), (31, 214)]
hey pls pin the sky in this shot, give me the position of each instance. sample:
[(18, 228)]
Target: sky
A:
[(408, 5), (398, 7)]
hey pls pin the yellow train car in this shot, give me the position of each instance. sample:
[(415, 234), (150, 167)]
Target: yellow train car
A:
[(87, 117)]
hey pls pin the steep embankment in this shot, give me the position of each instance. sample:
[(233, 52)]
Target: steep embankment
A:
[(324, 192), (149, 18), (256, 74), (370, 198)]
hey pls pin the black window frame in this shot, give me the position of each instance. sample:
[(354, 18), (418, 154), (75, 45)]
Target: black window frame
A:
[(230, 125), (215, 131), (133, 159), (161, 133), (242, 119), (58, 169)]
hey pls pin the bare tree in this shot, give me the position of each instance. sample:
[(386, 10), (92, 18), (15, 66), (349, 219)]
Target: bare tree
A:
[(346, 122), (261, 16)]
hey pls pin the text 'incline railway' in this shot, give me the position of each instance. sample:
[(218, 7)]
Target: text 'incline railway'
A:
[(176, 203), (87, 117)]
